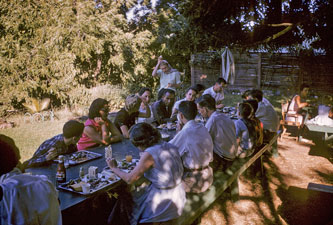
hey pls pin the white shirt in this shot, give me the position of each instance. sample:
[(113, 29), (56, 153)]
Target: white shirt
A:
[(146, 120), (217, 96), (177, 103), (265, 100), (223, 132), (165, 78), (195, 145), (268, 116), (29, 200)]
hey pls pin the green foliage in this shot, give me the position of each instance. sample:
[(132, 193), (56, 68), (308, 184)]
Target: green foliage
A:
[(49, 48)]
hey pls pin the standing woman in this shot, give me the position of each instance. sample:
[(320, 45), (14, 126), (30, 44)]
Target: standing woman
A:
[(169, 77), (98, 128), (164, 199)]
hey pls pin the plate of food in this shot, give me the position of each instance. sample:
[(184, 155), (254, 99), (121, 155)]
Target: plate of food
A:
[(82, 156), (125, 165), (87, 186), (171, 126)]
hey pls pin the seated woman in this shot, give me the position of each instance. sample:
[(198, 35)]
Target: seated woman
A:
[(249, 133), (298, 102), (145, 95), (98, 128), (164, 199), (125, 118), (190, 95)]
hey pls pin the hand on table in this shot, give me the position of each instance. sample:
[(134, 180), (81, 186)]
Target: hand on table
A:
[(112, 163), (51, 154), (99, 120)]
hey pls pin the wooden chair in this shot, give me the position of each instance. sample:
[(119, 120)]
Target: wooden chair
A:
[(284, 123)]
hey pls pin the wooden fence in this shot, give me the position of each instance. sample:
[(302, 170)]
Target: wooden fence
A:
[(281, 71)]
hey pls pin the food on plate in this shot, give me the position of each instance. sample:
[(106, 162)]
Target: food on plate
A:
[(129, 158), (76, 187)]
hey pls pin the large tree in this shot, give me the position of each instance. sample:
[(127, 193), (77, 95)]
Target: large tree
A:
[(50, 47)]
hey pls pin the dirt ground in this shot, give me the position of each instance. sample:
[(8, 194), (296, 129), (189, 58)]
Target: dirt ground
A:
[(281, 197)]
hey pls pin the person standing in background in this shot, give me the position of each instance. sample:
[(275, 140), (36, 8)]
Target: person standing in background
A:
[(169, 77)]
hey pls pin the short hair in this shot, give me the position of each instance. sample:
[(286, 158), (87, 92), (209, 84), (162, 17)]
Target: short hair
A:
[(253, 103), (96, 106), (144, 135), (9, 154), (189, 109), (199, 87), (221, 80), (258, 94), (132, 102), (246, 94), (304, 86), (207, 101), (143, 90), (72, 128), (245, 110), (191, 88)]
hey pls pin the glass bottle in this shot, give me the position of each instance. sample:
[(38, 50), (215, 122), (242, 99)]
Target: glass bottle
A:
[(61, 170)]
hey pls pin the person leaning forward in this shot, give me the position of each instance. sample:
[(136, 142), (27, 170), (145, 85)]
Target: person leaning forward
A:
[(195, 147), (222, 130)]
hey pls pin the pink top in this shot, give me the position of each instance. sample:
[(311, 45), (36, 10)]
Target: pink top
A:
[(85, 141)]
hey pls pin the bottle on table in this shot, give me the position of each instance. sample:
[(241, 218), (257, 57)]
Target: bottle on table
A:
[(61, 170), (81, 173)]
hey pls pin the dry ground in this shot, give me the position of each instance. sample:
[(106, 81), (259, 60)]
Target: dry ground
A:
[(282, 197)]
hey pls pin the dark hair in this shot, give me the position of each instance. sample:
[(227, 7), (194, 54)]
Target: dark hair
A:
[(192, 88), (144, 135), (72, 128), (143, 90), (253, 103), (189, 109), (246, 110), (221, 80), (9, 154), (304, 86), (207, 101), (95, 107), (258, 94), (167, 90), (246, 94), (199, 87)]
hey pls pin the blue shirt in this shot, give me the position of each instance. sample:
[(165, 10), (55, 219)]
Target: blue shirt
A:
[(57, 142)]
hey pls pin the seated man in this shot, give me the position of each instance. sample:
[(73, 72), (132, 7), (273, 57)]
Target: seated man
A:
[(195, 147), (125, 118), (24, 199), (222, 130), (216, 92), (190, 95), (58, 145), (162, 108), (269, 118), (297, 103)]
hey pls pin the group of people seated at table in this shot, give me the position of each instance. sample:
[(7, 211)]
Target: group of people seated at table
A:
[(184, 164)]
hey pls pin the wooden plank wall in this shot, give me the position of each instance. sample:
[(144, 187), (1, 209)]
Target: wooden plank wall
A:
[(281, 71)]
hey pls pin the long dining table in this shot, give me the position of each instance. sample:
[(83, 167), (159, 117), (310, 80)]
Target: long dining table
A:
[(74, 202)]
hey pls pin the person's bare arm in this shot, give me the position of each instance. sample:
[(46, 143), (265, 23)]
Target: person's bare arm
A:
[(299, 103), (115, 133), (124, 131), (146, 161), (94, 135), (157, 66)]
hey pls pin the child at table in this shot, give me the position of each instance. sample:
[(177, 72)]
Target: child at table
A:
[(249, 132), (58, 145)]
